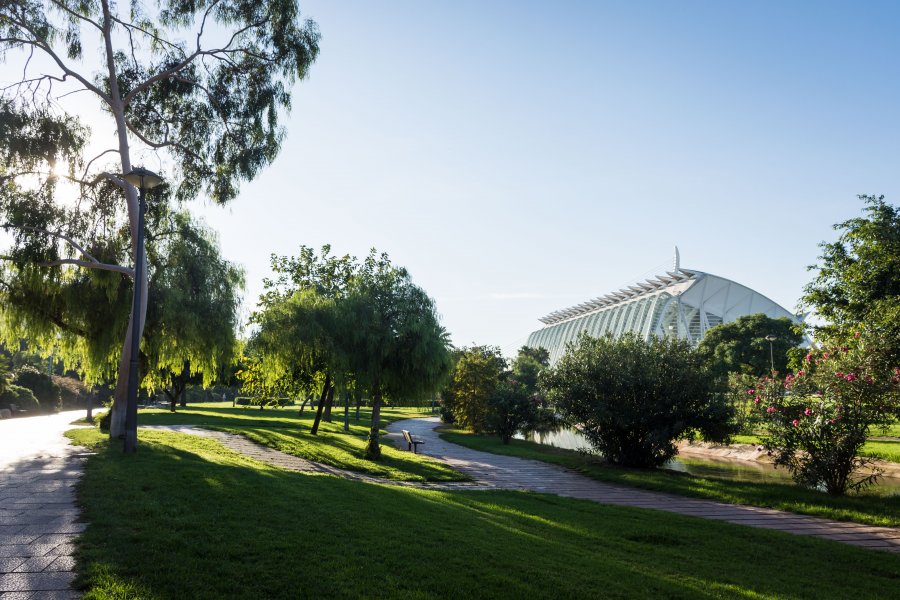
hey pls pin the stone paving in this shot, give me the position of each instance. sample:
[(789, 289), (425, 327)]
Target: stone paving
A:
[(507, 472), (38, 515)]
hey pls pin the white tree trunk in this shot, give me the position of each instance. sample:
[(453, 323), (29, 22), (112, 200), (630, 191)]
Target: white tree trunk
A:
[(117, 107)]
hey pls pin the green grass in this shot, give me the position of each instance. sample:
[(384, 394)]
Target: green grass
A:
[(284, 430), (186, 518), (888, 450), (868, 508)]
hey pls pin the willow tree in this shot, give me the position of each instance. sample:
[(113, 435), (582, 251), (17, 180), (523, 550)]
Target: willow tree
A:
[(297, 338), (197, 86), (391, 338)]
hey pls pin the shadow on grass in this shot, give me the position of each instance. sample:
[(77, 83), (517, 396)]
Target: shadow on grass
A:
[(186, 518)]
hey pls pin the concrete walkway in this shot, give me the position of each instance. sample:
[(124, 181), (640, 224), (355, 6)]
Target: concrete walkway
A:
[(38, 516), (495, 471)]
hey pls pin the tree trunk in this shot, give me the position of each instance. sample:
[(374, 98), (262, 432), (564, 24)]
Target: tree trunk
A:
[(329, 402), (346, 410), (358, 395), (302, 406), (171, 399), (325, 387), (373, 448), (90, 407), (182, 399)]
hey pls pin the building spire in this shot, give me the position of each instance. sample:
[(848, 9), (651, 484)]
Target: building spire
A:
[(677, 260)]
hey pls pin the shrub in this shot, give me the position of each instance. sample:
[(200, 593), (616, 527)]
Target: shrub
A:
[(819, 417), (633, 399), (22, 397), (73, 392), (473, 382), (510, 409), (104, 421), (41, 384)]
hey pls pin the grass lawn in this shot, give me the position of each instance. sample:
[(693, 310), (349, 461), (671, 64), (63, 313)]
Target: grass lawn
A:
[(869, 508), (187, 518), (284, 430)]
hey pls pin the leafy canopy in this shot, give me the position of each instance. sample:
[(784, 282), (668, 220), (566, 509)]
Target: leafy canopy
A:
[(858, 280)]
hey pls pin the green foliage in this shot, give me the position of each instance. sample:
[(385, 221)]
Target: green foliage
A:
[(632, 399), (741, 346), (474, 381), (327, 321), (73, 392), (510, 409), (22, 397), (41, 385), (858, 281), (819, 418)]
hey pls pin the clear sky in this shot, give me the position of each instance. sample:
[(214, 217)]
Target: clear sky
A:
[(520, 157)]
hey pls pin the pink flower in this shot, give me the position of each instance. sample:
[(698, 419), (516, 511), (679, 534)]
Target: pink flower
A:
[(795, 423), (808, 357), (770, 410), (845, 349), (839, 375), (751, 391), (825, 355), (850, 377), (807, 412), (856, 335), (799, 373), (756, 400)]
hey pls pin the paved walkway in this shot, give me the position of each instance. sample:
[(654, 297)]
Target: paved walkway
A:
[(38, 516), (495, 471)]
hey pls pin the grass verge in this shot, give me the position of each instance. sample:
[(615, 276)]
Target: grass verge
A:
[(286, 430), (186, 518), (867, 508)]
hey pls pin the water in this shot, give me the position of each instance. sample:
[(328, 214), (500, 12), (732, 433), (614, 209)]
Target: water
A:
[(721, 468)]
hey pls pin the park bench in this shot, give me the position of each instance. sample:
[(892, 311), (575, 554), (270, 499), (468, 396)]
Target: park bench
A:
[(412, 442)]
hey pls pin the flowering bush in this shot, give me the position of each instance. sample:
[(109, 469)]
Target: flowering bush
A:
[(820, 416)]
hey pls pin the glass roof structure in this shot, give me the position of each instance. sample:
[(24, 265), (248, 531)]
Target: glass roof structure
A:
[(682, 302)]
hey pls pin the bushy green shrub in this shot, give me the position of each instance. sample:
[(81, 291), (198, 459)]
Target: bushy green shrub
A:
[(472, 384), (819, 417), (22, 397), (510, 410), (633, 399), (41, 384), (104, 421), (73, 393)]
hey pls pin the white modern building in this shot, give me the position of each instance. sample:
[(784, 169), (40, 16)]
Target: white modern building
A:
[(682, 302)]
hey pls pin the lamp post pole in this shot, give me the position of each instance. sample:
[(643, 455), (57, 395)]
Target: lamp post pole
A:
[(141, 179), (771, 339)]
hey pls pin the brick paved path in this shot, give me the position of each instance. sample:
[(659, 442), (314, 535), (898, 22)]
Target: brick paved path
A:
[(507, 472), (38, 516)]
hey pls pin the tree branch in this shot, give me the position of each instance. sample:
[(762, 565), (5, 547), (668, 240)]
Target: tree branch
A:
[(89, 265)]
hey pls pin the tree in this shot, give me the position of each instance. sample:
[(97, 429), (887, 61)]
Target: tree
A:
[(633, 398), (193, 312), (391, 337), (208, 105), (858, 281), (741, 346), (298, 323), (476, 375), (820, 417)]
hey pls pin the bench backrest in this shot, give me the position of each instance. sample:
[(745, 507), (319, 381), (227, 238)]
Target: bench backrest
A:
[(406, 436)]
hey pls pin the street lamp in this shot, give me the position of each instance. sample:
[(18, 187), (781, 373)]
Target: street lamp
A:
[(143, 180), (771, 339)]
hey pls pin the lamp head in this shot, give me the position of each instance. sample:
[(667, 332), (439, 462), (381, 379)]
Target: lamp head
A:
[(140, 177), (771, 338)]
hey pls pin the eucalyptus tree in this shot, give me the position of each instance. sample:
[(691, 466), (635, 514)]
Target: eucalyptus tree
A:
[(198, 86), (391, 338)]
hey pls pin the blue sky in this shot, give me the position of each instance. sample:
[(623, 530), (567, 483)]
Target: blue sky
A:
[(520, 157)]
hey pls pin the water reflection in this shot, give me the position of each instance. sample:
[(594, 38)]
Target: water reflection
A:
[(721, 468)]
